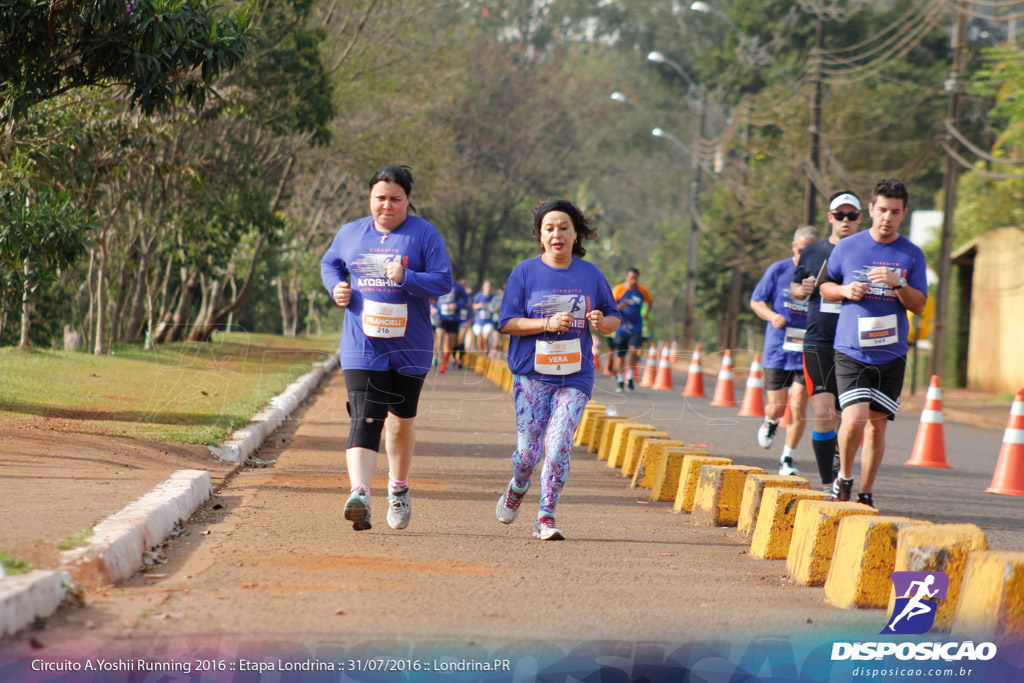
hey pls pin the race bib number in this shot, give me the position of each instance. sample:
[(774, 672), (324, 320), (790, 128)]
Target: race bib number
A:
[(880, 331), (384, 321), (830, 306), (794, 340), (447, 308), (558, 358)]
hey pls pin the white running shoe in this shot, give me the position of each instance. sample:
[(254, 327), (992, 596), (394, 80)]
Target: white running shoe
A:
[(786, 466), (766, 434), (544, 529), (399, 509), (508, 504), (357, 509)]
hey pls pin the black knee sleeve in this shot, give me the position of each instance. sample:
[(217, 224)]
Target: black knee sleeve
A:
[(367, 420)]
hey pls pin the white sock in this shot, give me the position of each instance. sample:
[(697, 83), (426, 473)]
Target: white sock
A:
[(787, 452)]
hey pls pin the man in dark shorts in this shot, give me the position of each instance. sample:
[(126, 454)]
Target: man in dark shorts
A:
[(630, 297), (879, 275), (786, 321), (844, 215)]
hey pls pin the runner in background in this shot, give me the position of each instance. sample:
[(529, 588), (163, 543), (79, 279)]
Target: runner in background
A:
[(786, 319), (483, 319), (449, 308), (630, 296), (844, 215), (383, 269), (551, 302), (465, 323), (879, 275)]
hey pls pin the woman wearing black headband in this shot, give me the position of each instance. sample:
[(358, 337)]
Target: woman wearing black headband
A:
[(550, 303), (384, 269)]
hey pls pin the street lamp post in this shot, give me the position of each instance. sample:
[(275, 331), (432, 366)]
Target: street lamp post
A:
[(689, 311)]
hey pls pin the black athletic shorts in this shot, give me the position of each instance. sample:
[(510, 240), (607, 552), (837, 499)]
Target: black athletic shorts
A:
[(775, 378), (398, 391), (819, 369), (878, 385), (623, 342), (450, 326)]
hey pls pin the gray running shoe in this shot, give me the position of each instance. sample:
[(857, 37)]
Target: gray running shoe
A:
[(508, 504), (544, 529), (357, 509), (399, 509)]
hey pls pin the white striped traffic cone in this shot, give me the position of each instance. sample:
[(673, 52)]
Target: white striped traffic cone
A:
[(930, 445)]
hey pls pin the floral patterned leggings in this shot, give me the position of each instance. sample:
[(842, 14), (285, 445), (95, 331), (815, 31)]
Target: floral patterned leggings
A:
[(546, 418)]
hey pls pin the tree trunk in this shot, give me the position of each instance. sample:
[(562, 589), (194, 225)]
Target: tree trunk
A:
[(312, 319), (101, 292), (117, 307), (179, 321), (87, 324), (26, 309), (234, 295), (133, 328), (203, 333), (205, 325), (288, 297), (3, 316)]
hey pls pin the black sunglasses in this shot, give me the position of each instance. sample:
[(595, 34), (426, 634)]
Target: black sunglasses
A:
[(850, 216)]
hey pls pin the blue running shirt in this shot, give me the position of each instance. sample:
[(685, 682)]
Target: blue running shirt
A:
[(537, 290), (773, 289), (359, 253), (874, 329)]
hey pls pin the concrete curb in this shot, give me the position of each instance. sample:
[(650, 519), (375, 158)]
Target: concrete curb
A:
[(116, 548), (118, 543), (26, 597), (243, 442)]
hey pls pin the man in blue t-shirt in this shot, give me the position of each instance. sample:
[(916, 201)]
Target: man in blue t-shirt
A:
[(879, 275), (844, 215), (786, 321), (449, 307), (630, 297)]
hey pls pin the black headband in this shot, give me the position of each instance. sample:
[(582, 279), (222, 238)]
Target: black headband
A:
[(563, 205)]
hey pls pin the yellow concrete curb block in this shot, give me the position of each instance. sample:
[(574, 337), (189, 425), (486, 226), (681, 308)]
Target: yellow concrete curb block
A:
[(600, 427), (666, 479), (753, 491), (689, 477), (814, 537), (774, 529), (647, 463), (582, 429), (719, 494), (991, 605), (938, 548), (620, 434), (864, 557), (634, 447)]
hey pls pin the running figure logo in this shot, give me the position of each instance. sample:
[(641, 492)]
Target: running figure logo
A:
[(917, 598)]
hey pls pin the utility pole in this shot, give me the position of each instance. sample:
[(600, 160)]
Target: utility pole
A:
[(811, 195), (954, 86), (691, 263)]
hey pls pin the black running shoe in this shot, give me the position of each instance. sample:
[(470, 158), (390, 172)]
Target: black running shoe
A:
[(866, 499)]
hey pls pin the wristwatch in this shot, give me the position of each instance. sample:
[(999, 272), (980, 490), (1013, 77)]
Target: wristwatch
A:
[(901, 284)]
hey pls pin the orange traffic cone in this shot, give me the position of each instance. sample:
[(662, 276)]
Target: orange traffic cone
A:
[(608, 365), (672, 353), (651, 368), (595, 351), (664, 379), (1009, 476), (724, 391), (753, 397), (695, 378), (930, 445)]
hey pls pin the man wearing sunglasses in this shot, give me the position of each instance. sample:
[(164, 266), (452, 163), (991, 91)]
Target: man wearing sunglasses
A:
[(844, 216), (786, 320), (879, 275)]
